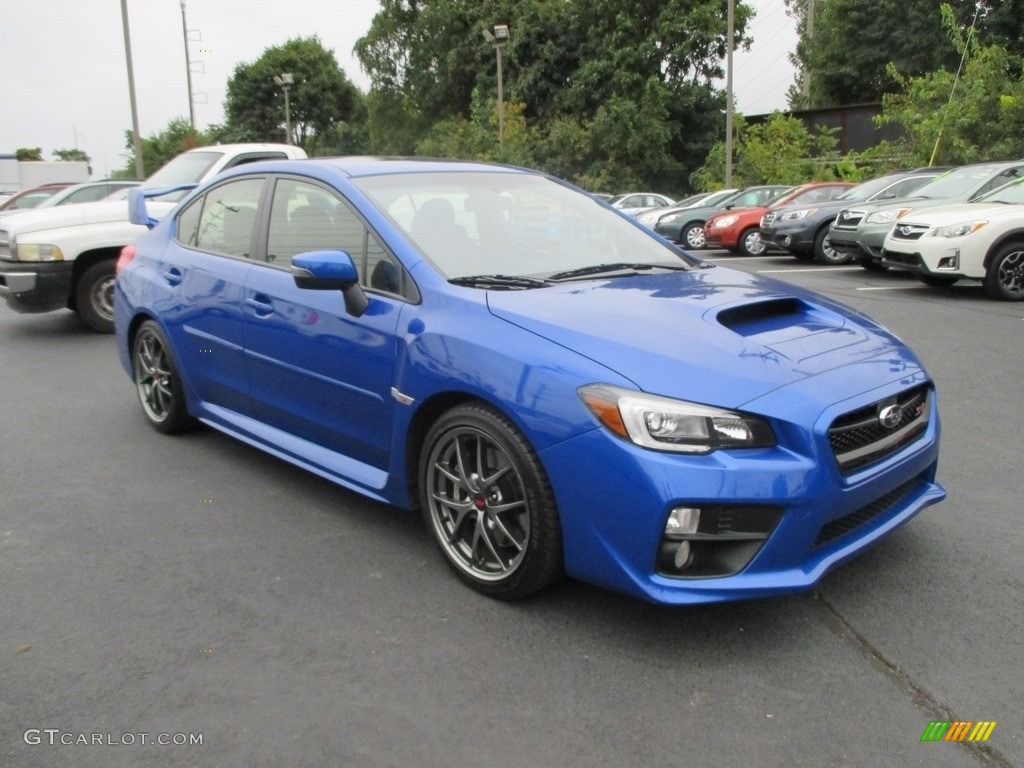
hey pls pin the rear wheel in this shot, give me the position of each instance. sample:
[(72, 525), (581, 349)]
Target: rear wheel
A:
[(693, 235), (824, 252), (94, 296), (487, 501), (157, 381), (1005, 276), (750, 242)]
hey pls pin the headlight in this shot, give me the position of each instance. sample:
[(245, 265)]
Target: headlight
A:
[(795, 215), (725, 221), (886, 217), (37, 252), (665, 424), (672, 218), (959, 230)]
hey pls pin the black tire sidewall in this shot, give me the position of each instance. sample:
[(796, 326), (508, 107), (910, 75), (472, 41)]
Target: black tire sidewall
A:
[(991, 282), (179, 420), (543, 562), (85, 295)]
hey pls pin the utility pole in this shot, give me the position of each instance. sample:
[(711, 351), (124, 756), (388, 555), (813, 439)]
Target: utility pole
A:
[(188, 69), (136, 140), (731, 25), (809, 33)]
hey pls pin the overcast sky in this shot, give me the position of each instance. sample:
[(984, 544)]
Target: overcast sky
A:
[(66, 82)]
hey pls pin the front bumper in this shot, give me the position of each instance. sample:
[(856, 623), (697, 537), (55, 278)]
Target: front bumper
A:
[(789, 236), (934, 256), (862, 243), (614, 520), (30, 286)]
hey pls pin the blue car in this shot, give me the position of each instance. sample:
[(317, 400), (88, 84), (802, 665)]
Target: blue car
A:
[(556, 388)]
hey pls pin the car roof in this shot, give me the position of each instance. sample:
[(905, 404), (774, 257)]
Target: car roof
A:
[(360, 166)]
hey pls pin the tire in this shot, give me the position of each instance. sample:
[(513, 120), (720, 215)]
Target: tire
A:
[(94, 296), (1004, 278), (937, 281), (871, 265), (750, 242), (488, 503), (824, 253), (158, 382), (693, 236)]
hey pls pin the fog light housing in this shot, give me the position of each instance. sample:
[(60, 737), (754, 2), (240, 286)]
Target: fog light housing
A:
[(950, 262), (713, 540)]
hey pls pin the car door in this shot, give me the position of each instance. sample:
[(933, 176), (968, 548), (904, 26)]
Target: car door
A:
[(318, 372), (204, 271)]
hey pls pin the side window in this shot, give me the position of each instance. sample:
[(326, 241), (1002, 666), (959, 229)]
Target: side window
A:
[(87, 195), (226, 218), (306, 217)]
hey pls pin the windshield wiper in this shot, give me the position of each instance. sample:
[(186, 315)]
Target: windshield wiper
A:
[(621, 266), (506, 282)]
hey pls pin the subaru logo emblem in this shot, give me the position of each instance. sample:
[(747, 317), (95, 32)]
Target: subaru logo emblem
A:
[(890, 416), (904, 230), (846, 215)]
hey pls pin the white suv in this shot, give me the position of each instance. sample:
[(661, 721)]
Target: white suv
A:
[(60, 257), (983, 240)]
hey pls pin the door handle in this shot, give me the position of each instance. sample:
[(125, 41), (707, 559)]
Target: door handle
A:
[(261, 304), (173, 276)]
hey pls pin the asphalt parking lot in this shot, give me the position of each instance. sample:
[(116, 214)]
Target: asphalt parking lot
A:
[(195, 586)]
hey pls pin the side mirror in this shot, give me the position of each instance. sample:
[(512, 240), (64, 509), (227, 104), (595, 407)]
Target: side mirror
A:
[(137, 213), (331, 271)]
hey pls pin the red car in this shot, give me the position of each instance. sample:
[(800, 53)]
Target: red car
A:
[(737, 230)]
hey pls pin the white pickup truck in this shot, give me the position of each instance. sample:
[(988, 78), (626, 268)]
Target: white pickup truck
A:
[(64, 257)]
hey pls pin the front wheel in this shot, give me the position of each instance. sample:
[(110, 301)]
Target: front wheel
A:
[(824, 252), (1005, 276), (750, 242), (157, 381), (693, 235), (938, 281), (94, 297), (488, 503)]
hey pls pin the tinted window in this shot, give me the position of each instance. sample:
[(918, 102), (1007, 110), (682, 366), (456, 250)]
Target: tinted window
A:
[(306, 217), (1003, 178), (227, 218)]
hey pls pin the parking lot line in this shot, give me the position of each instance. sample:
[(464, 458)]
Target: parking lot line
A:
[(890, 287), (812, 269)]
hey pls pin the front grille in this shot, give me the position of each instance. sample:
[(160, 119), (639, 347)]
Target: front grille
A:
[(908, 231), (910, 259), (860, 437), (768, 218), (849, 219), (5, 245), (847, 524)]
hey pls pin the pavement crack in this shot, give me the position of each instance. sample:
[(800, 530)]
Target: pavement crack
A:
[(985, 754)]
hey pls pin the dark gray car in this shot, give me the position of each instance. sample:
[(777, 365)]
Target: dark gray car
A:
[(803, 230)]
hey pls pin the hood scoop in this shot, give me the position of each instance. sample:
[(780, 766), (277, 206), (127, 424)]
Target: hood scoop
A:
[(792, 328)]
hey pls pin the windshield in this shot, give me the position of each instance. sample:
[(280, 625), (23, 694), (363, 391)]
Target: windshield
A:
[(188, 168), (868, 189), (957, 182), (1012, 194), (511, 224)]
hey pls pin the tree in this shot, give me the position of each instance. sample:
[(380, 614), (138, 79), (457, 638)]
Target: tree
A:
[(177, 137), (608, 96), (73, 154), (321, 96), (854, 42), (779, 150), (29, 153)]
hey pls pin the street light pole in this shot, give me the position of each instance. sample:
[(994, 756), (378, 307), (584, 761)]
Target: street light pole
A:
[(286, 81), (499, 38), (136, 140), (188, 69)]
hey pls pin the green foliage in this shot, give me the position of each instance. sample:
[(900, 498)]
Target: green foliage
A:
[(779, 150), (321, 96), (609, 98), (177, 137), (73, 154), (853, 43), (29, 153)]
